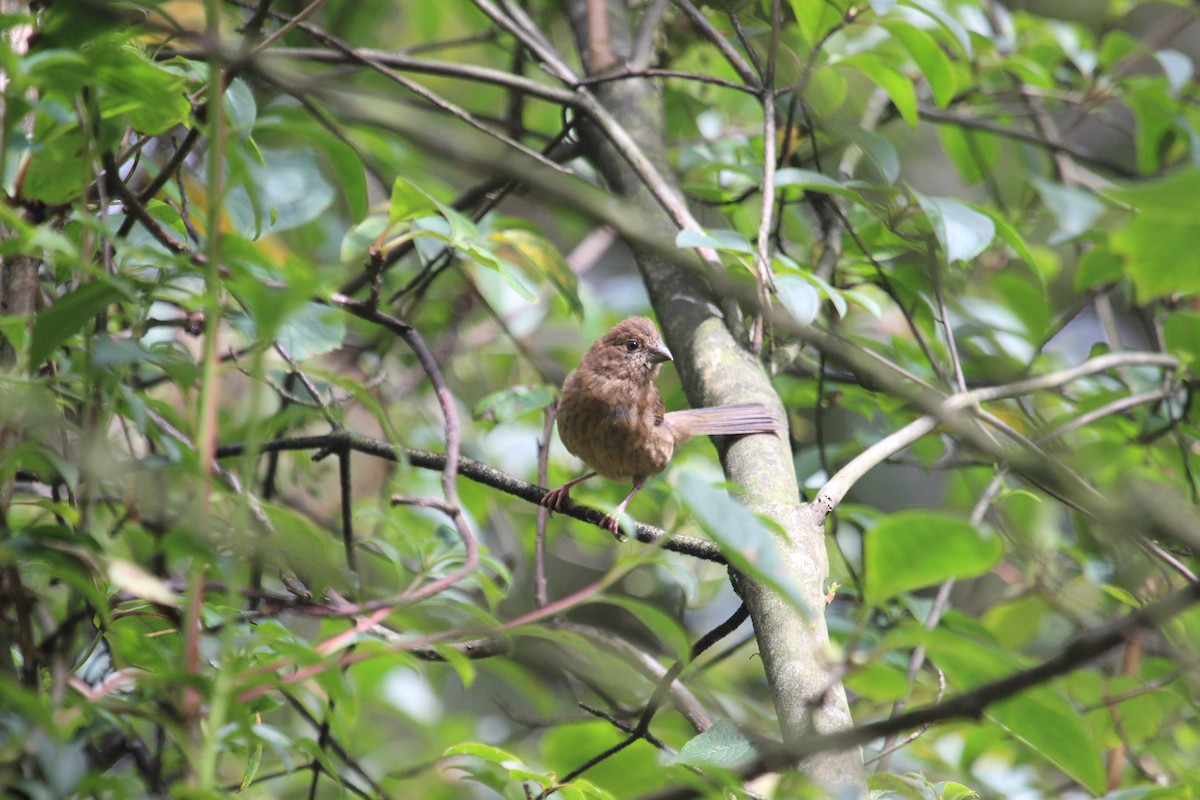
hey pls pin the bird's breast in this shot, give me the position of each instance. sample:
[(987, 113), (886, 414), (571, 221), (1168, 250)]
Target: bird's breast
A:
[(612, 427)]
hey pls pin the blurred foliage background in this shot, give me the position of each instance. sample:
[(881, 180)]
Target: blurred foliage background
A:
[(269, 266)]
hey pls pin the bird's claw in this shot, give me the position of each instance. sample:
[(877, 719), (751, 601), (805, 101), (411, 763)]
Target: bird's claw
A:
[(553, 499), (613, 526)]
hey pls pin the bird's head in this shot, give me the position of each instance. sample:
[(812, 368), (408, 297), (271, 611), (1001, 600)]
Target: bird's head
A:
[(631, 349)]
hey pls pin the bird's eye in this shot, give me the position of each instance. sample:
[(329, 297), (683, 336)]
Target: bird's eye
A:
[(632, 345)]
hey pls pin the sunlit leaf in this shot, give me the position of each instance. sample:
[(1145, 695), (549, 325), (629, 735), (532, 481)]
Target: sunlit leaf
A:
[(543, 259), (1075, 209), (799, 297), (914, 549), (726, 241), (962, 232), (133, 579), (722, 745), (930, 59), (808, 179), (878, 150), (408, 201), (505, 405), (1178, 68)]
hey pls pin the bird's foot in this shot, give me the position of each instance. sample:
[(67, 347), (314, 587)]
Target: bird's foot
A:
[(613, 525), (554, 499)]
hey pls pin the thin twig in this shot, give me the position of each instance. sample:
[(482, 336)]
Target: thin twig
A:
[(543, 515), (835, 489)]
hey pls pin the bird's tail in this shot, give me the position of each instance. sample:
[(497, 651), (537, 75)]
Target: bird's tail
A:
[(723, 421)]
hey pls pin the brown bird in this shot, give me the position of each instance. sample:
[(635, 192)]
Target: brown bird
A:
[(611, 414)]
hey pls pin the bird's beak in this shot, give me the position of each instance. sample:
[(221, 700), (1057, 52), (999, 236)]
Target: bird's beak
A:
[(659, 353)]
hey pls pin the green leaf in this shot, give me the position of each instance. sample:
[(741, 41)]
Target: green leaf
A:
[(565, 746), (808, 179), (914, 549), (826, 91), (513, 276), (885, 786), (312, 330), (1010, 235), (252, 763), (54, 172), (461, 663), (1053, 730), (725, 241), (1154, 112), (16, 330), (1182, 334), (973, 153), (69, 314), (290, 185), (664, 627), (240, 108), (296, 128), (506, 405), (930, 59), (956, 791), (151, 97), (799, 297), (897, 86), (133, 579), (493, 755), (878, 150), (722, 745), (936, 10), (962, 232), (1075, 209), (1158, 242), (865, 300), (1096, 267), (787, 267), (408, 201), (815, 21), (879, 681), (356, 244), (543, 259), (748, 543), (1177, 67), (1116, 46)]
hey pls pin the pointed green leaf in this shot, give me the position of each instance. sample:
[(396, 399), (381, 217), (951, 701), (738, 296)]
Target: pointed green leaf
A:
[(726, 241), (799, 297), (748, 543), (899, 87), (914, 549), (69, 314), (408, 201), (543, 259), (722, 745), (962, 232), (1075, 209), (808, 179), (930, 59)]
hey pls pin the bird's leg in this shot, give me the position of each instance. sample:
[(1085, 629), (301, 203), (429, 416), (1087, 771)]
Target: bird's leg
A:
[(613, 521), (554, 498)]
